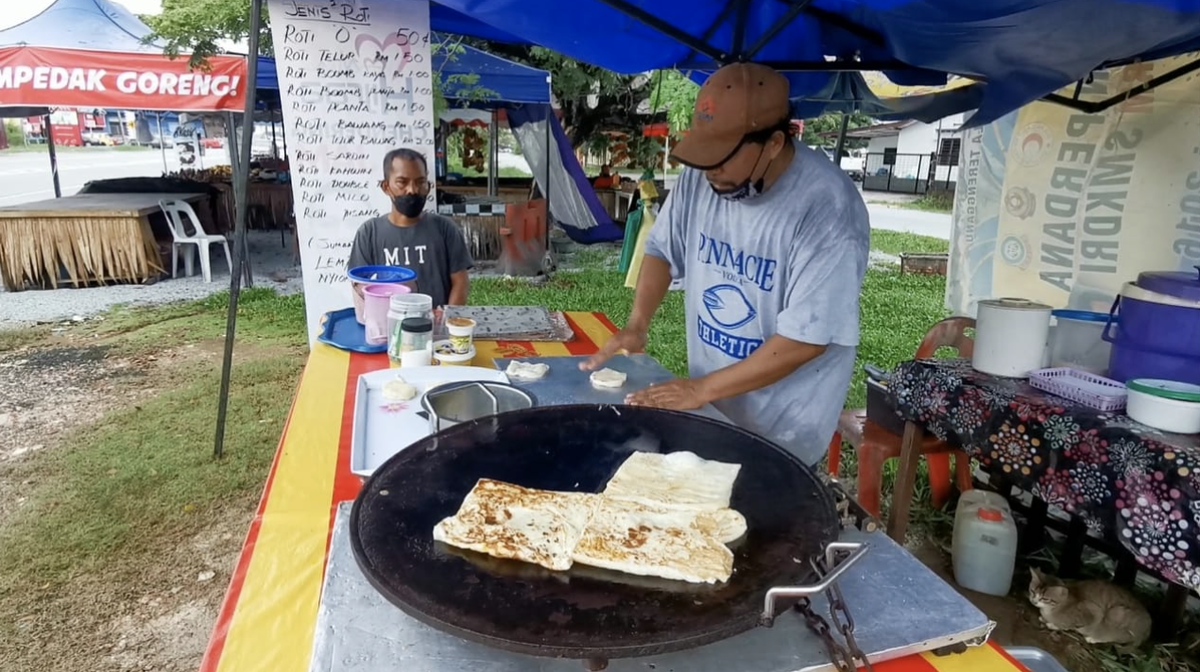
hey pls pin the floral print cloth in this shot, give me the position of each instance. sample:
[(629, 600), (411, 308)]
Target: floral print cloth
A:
[(1138, 483)]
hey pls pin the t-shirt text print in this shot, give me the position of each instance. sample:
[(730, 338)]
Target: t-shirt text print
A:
[(726, 306)]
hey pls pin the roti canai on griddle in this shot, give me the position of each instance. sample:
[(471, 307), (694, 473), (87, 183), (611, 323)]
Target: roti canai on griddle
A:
[(680, 480), (508, 521), (634, 538), (664, 516)]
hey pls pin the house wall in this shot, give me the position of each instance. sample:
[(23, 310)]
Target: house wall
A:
[(921, 138), (877, 145)]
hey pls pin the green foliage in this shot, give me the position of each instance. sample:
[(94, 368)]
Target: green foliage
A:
[(197, 26), (814, 129), (16, 135), (674, 94)]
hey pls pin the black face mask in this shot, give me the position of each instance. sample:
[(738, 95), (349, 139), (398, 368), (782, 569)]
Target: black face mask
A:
[(409, 205)]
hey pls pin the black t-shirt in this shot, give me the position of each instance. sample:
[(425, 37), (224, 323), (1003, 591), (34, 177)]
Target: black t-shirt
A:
[(433, 247)]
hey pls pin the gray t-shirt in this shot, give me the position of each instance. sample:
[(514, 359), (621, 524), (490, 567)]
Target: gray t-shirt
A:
[(433, 247), (789, 262)]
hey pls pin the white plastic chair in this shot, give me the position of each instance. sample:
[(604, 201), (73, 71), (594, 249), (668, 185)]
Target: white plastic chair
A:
[(175, 212)]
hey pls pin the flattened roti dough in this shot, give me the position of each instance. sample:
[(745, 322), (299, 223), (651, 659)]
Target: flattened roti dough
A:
[(608, 378), (633, 538), (526, 371), (398, 389), (679, 480), (508, 521)]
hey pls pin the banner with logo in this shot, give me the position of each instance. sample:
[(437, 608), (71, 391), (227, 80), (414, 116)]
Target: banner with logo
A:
[(1064, 207), (36, 77)]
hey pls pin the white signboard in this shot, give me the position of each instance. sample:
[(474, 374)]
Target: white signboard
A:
[(356, 82), (1064, 207)]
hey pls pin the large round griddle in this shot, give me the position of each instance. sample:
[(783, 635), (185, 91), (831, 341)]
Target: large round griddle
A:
[(584, 613)]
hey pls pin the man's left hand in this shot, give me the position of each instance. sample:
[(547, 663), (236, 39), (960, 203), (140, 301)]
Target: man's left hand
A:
[(681, 394)]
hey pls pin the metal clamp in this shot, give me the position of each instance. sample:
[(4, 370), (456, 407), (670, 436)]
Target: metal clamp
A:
[(835, 569)]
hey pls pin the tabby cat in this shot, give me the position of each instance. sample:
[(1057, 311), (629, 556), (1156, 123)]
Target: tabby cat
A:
[(1098, 610)]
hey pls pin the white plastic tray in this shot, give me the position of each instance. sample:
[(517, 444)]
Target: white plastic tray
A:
[(383, 428)]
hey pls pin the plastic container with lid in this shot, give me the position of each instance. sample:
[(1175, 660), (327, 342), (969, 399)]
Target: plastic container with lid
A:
[(985, 548), (415, 343), (1159, 333), (1077, 341), (1010, 337), (1164, 405), (375, 275)]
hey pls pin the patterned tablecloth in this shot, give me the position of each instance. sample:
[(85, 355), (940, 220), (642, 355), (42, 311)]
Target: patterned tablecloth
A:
[(1138, 483)]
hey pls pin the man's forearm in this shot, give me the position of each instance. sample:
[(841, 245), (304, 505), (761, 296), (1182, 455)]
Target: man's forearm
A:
[(773, 361), (458, 289), (654, 280)]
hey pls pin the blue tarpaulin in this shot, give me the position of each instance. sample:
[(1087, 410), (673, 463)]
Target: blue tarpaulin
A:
[(503, 79), (1023, 49)]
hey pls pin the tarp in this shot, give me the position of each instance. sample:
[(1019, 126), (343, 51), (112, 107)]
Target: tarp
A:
[(1064, 207), (504, 80), (1023, 49), (573, 201)]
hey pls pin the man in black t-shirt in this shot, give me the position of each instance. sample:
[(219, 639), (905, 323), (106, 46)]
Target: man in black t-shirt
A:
[(425, 242)]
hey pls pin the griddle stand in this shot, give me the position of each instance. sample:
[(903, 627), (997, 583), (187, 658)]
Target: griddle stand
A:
[(358, 630)]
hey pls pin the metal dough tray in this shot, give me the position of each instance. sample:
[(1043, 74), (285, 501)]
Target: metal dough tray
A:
[(566, 384)]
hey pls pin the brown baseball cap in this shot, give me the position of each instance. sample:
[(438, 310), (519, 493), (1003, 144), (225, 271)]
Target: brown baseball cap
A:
[(734, 101)]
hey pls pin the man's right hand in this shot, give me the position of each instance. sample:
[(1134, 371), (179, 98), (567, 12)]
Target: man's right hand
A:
[(624, 341)]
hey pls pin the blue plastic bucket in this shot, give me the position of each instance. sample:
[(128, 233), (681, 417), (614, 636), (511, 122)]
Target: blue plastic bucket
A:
[(1154, 340)]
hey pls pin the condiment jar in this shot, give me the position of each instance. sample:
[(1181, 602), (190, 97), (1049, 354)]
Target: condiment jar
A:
[(416, 342)]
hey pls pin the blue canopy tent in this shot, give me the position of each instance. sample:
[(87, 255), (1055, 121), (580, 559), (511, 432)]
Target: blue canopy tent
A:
[(1019, 50)]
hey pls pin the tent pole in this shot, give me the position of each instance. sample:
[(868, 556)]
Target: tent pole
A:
[(274, 142), (282, 131), (162, 142), (841, 142), (239, 194), (493, 154), (549, 120), (53, 155)]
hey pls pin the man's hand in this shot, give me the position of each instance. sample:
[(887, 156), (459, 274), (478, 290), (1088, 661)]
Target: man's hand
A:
[(624, 341), (681, 394)]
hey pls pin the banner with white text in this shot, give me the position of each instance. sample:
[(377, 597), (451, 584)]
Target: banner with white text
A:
[(355, 81), (36, 77), (1064, 207)]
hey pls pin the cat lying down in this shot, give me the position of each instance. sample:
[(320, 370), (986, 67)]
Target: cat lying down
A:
[(1100, 611)]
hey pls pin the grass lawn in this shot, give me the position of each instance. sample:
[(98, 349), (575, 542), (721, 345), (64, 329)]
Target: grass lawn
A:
[(899, 242)]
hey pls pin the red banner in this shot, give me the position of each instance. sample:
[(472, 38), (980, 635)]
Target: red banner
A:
[(91, 79)]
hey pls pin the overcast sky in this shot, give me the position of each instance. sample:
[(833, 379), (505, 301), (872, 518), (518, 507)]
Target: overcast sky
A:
[(17, 12)]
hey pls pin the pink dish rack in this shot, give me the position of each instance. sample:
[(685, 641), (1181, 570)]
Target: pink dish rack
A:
[(1085, 388)]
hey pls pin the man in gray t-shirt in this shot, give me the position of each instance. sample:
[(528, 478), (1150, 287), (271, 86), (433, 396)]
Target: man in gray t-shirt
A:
[(771, 241), (425, 242)]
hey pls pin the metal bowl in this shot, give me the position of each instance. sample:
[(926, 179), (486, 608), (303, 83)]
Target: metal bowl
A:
[(451, 404)]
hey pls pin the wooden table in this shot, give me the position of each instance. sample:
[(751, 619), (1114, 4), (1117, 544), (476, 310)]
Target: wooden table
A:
[(269, 615), (93, 237)]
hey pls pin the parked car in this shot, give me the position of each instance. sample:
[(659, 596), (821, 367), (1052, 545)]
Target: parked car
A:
[(156, 142), (97, 139), (212, 143)]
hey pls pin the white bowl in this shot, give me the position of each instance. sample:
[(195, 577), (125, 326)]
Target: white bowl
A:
[(1161, 413)]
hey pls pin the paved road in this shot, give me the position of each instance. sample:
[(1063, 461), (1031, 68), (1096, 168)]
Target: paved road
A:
[(25, 176)]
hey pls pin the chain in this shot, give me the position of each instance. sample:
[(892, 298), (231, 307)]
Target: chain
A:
[(843, 657)]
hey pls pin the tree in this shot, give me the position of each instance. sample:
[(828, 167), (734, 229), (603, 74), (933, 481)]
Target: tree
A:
[(816, 130), (675, 94), (197, 27)]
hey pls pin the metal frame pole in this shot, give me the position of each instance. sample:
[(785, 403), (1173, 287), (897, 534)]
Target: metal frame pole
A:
[(239, 247), (53, 155)]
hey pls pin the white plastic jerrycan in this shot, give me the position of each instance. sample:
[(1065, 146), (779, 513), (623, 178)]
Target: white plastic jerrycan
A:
[(985, 548)]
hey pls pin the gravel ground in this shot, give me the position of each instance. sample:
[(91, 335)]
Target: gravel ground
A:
[(273, 267)]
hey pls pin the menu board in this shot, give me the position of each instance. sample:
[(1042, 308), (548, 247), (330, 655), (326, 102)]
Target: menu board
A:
[(355, 81)]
